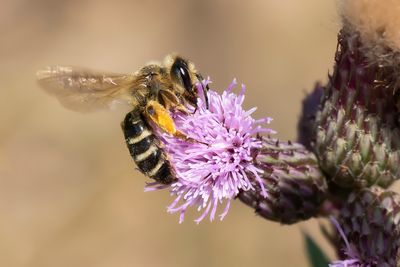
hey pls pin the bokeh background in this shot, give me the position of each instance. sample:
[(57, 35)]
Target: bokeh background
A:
[(69, 193)]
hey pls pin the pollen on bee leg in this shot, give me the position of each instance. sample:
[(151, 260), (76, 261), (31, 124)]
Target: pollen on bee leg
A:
[(161, 117)]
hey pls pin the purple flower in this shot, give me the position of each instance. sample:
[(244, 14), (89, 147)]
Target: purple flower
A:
[(347, 263), (353, 257), (218, 162)]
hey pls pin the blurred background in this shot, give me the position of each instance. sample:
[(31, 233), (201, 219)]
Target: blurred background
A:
[(69, 193)]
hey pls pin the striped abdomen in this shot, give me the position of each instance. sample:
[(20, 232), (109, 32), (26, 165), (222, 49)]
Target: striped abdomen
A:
[(144, 149)]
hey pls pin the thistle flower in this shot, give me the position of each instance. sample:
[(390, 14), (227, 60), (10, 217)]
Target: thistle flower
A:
[(377, 23), (215, 167), (357, 133), (351, 254), (348, 263), (296, 188), (370, 230), (305, 125), (229, 159)]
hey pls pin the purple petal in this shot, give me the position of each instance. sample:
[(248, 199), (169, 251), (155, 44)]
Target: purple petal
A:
[(211, 174)]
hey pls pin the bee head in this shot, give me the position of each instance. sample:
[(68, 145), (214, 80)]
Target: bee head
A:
[(183, 73)]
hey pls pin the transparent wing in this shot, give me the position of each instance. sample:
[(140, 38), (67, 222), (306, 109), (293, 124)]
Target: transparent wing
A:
[(84, 90)]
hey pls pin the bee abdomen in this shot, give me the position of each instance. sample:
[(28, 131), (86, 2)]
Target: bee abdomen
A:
[(144, 149)]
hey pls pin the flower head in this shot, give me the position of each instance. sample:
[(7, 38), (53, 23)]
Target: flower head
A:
[(217, 163), (347, 263), (377, 23), (353, 259), (369, 226)]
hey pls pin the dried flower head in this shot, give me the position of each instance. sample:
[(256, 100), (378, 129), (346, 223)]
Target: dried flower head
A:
[(213, 169), (378, 23)]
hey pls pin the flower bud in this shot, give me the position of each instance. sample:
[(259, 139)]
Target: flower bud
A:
[(357, 138), (369, 225), (295, 186)]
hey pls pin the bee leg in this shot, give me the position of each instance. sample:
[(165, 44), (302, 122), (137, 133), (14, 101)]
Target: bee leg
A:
[(170, 99), (161, 117), (180, 135), (183, 109)]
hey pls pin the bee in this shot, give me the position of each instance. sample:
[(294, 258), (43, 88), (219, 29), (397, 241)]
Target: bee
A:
[(151, 93)]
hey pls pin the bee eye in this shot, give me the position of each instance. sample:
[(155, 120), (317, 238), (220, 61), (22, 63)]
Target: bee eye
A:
[(180, 72)]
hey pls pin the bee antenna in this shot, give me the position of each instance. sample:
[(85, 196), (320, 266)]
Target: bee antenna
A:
[(205, 89)]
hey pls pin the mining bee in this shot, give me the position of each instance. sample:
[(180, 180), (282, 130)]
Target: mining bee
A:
[(152, 92)]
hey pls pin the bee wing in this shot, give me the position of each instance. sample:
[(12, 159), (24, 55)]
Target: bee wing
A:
[(84, 90)]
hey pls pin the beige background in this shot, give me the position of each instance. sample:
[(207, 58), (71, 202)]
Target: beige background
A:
[(69, 194)]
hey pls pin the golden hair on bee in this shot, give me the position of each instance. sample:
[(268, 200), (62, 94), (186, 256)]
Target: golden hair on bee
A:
[(151, 92)]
